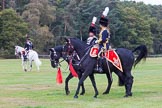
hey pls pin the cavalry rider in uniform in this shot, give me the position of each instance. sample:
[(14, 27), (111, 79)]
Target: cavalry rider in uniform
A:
[(92, 32), (28, 46), (104, 37)]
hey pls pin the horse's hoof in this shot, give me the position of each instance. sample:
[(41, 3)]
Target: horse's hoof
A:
[(104, 93), (75, 97), (25, 70), (128, 95), (67, 92), (82, 93), (95, 97)]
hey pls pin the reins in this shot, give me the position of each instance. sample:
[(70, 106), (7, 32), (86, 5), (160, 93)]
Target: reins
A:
[(88, 47), (73, 54), (60, 62), (84, 56)]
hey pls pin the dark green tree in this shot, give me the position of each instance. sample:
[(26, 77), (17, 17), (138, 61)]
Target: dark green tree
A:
[(12, 31)]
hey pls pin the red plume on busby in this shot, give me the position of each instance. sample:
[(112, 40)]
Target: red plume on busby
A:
[(92, 28), (103, 20), (27, 37)]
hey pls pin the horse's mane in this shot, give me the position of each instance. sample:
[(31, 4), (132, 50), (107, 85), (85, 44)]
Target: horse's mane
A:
[(17, 46), (73, 38), (59, 48), (79, 42), (79, 46)]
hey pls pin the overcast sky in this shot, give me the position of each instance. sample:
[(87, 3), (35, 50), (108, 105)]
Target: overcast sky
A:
[(153, 2)]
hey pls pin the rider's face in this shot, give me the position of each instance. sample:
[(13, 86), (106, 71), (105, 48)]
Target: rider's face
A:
[(91, 34), (101, 26)]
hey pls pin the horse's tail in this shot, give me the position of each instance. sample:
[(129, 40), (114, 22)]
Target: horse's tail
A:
[(36, 59), (142, 54), (38, 62)]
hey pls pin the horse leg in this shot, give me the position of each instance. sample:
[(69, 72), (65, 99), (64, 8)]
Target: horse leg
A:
[(83, 90), (120, 81), (70, 76), (84, 76), (128, 84), (94, 84), (30, 64), (121, 76), (23, 64), (110, 80), (26, 65), (66, 84), (38, 68), (82, 85)]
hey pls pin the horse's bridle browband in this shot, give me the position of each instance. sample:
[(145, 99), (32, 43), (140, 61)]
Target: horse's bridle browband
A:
[(55, 54), (70, 47), (74, 53), (70, 54)]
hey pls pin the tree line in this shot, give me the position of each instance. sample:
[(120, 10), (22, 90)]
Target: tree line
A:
[(131, 23)]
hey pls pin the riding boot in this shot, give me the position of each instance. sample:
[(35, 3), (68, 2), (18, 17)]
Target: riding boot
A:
[(25, 57), (96, 68), (100, 65)]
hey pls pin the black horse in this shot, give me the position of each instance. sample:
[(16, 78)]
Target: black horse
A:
[(55, 54), (88, 63)]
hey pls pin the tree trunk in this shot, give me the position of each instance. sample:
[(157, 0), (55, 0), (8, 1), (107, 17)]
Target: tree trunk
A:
[(3, 4)]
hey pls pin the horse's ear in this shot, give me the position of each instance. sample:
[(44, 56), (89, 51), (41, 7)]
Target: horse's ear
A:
[(66, 39), (51, 49)]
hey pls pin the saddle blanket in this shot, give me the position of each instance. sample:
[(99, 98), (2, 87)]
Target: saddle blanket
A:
[(110, 55)]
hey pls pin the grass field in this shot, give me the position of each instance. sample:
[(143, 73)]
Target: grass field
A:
[(34, 89)]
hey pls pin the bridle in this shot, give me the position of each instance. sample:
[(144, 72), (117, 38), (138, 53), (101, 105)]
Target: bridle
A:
[(73, 53), (70, 48), (17, 53), (54, 54), (54, 57), (70, 53)]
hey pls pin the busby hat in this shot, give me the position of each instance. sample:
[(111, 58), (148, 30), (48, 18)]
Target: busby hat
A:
[(103, 20), (92, 28), (27, 36)]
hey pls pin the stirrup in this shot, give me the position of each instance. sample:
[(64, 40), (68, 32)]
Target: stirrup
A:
[(100, 70), (96, 69)]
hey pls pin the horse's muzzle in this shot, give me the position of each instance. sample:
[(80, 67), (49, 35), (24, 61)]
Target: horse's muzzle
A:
[(54, 64)]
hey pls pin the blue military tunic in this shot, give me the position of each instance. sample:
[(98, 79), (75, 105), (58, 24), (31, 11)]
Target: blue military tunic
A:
[(91, 40), (28, 46), (103, 40)]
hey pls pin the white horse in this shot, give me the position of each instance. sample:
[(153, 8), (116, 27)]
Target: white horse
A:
[(31, 56)]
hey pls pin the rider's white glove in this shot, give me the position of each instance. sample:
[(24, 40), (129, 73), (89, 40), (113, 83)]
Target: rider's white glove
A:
[(96, 42)]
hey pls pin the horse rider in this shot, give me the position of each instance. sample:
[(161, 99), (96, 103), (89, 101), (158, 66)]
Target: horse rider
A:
[(104, 37), (92, 32), (28, 46)]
